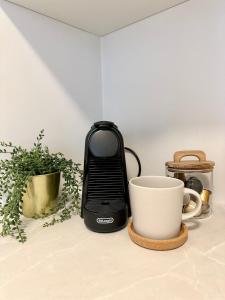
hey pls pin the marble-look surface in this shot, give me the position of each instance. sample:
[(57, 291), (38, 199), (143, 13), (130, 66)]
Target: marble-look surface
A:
[(67, 261)]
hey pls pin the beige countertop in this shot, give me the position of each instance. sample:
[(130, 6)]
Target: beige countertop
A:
[(67, 261)]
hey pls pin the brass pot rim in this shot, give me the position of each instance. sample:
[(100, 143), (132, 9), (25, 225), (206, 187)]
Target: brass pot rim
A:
[(47, 174)]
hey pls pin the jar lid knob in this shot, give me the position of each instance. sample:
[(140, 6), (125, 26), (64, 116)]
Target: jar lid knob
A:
[(178, 155)]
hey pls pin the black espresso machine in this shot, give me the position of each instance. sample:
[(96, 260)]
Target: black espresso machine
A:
[(105, 197)]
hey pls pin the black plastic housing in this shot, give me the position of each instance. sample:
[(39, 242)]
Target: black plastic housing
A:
[(105, 198)]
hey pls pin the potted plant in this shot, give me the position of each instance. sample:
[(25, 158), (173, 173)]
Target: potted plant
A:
[(29, 185)]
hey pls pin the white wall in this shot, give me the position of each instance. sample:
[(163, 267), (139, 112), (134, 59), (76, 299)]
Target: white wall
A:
[(164, 84), (50, 77)]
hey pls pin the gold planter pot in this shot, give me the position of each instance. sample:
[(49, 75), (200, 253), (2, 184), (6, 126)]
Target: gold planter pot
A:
[(41, 195)]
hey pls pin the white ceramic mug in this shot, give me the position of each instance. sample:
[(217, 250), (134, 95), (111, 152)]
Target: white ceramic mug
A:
[(156, 206)]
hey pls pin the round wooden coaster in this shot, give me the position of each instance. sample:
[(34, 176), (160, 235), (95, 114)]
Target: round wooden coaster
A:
[(160, 245)]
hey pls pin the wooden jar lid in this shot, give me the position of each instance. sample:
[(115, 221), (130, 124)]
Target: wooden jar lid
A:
[(200, 164), (160, 245)]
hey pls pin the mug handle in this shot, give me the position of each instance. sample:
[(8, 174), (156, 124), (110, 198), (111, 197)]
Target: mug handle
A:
[(197, 209)]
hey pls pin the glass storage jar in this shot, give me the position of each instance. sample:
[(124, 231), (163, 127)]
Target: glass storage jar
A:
[(197, 175)]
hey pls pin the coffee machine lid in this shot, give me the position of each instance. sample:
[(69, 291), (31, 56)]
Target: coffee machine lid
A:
[(104, 124)]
